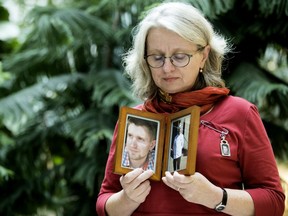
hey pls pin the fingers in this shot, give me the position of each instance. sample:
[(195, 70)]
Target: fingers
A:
[(134, 179), (130, 176), (136, 185), (177, 181), (140, 192), (139, 175), (183, 179), (170, 181)]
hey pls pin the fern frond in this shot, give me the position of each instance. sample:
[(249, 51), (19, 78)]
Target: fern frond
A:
[(5, 174), (112, 88), (90, 129), (252, 83), (279, 7), (275, 61), (213, 8), (54, 26), (16, 109)]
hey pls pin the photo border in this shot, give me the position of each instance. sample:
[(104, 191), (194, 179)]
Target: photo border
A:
[(194, 113), (160, 119)]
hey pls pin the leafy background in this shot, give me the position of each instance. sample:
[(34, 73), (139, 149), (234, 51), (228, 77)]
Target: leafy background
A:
[(62, 83)]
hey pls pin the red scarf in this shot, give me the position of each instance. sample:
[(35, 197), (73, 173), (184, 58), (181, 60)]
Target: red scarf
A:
[(204, 98)]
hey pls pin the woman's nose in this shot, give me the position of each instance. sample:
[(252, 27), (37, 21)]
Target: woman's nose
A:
[(168, 66)]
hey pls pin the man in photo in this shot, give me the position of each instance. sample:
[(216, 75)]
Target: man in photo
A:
[(140, 144), (178, 145)]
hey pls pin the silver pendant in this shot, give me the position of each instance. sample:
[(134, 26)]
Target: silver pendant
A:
[(224, 146)]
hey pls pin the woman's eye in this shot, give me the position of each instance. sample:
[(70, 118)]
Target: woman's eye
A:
[(178, 56), (158, 58)]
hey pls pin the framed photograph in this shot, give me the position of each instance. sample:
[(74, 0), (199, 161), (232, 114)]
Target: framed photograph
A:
[(158, 142), (140, 141), (181, 141)]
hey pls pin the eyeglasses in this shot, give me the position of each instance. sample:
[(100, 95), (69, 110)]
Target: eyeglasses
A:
[(177, 59)]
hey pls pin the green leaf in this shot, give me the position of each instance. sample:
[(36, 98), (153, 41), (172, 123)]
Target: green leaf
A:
[(5, 174), (111, 88), (250, 82), (19, 107)]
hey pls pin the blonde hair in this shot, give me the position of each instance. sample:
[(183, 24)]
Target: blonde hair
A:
[(190, 24)]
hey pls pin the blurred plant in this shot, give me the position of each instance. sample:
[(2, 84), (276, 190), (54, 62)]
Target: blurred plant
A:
[(60, 110)]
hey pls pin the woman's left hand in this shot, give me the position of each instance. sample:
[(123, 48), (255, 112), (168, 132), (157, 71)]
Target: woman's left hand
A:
[(195, 188)]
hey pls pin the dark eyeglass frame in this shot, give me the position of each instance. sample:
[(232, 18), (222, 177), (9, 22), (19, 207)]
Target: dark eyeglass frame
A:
[(171, 60)]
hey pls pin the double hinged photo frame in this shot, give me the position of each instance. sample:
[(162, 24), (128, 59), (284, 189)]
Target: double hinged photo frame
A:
[(164, 155)]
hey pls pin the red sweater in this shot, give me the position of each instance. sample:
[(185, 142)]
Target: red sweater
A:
[(251, 166)]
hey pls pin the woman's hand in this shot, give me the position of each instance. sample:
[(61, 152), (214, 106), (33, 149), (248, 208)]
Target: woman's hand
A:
[(195, 188), (136, 185)]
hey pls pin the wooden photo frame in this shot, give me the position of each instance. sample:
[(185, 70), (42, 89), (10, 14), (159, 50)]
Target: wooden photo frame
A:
[(187, 123), (149, 146), (127, 113)]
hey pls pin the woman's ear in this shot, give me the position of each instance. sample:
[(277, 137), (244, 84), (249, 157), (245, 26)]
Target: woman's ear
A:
[(205, 54)]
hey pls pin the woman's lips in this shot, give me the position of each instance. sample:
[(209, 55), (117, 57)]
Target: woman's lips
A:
[(170, 79)]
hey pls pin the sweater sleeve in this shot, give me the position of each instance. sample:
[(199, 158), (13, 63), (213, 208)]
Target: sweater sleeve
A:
[(260, 173), (111, 183)]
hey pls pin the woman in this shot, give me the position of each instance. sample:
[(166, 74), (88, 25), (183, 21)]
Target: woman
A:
[(175, 62)]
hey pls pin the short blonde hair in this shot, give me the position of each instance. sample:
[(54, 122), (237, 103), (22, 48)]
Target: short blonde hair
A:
[(190, 24)]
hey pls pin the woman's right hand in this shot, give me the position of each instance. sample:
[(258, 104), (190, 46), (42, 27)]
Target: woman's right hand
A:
[(136, 185)]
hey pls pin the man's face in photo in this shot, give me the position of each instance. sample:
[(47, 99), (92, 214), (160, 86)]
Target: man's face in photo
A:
[(139, 142)]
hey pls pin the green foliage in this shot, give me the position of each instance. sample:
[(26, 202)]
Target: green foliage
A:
[(213, 8), (106, 94), (274, 7), (271, 96), (5, 174), (4, 76), (62, 85), (58, 124), (4, 14)]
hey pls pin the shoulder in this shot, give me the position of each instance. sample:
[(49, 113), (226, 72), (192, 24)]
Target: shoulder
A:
[(233, 108), (234, 104)]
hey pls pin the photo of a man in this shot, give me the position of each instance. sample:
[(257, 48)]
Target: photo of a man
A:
[(178, 145), (139, 150)]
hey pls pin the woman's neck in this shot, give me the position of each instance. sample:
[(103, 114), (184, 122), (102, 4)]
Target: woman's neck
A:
[(164, 96)]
